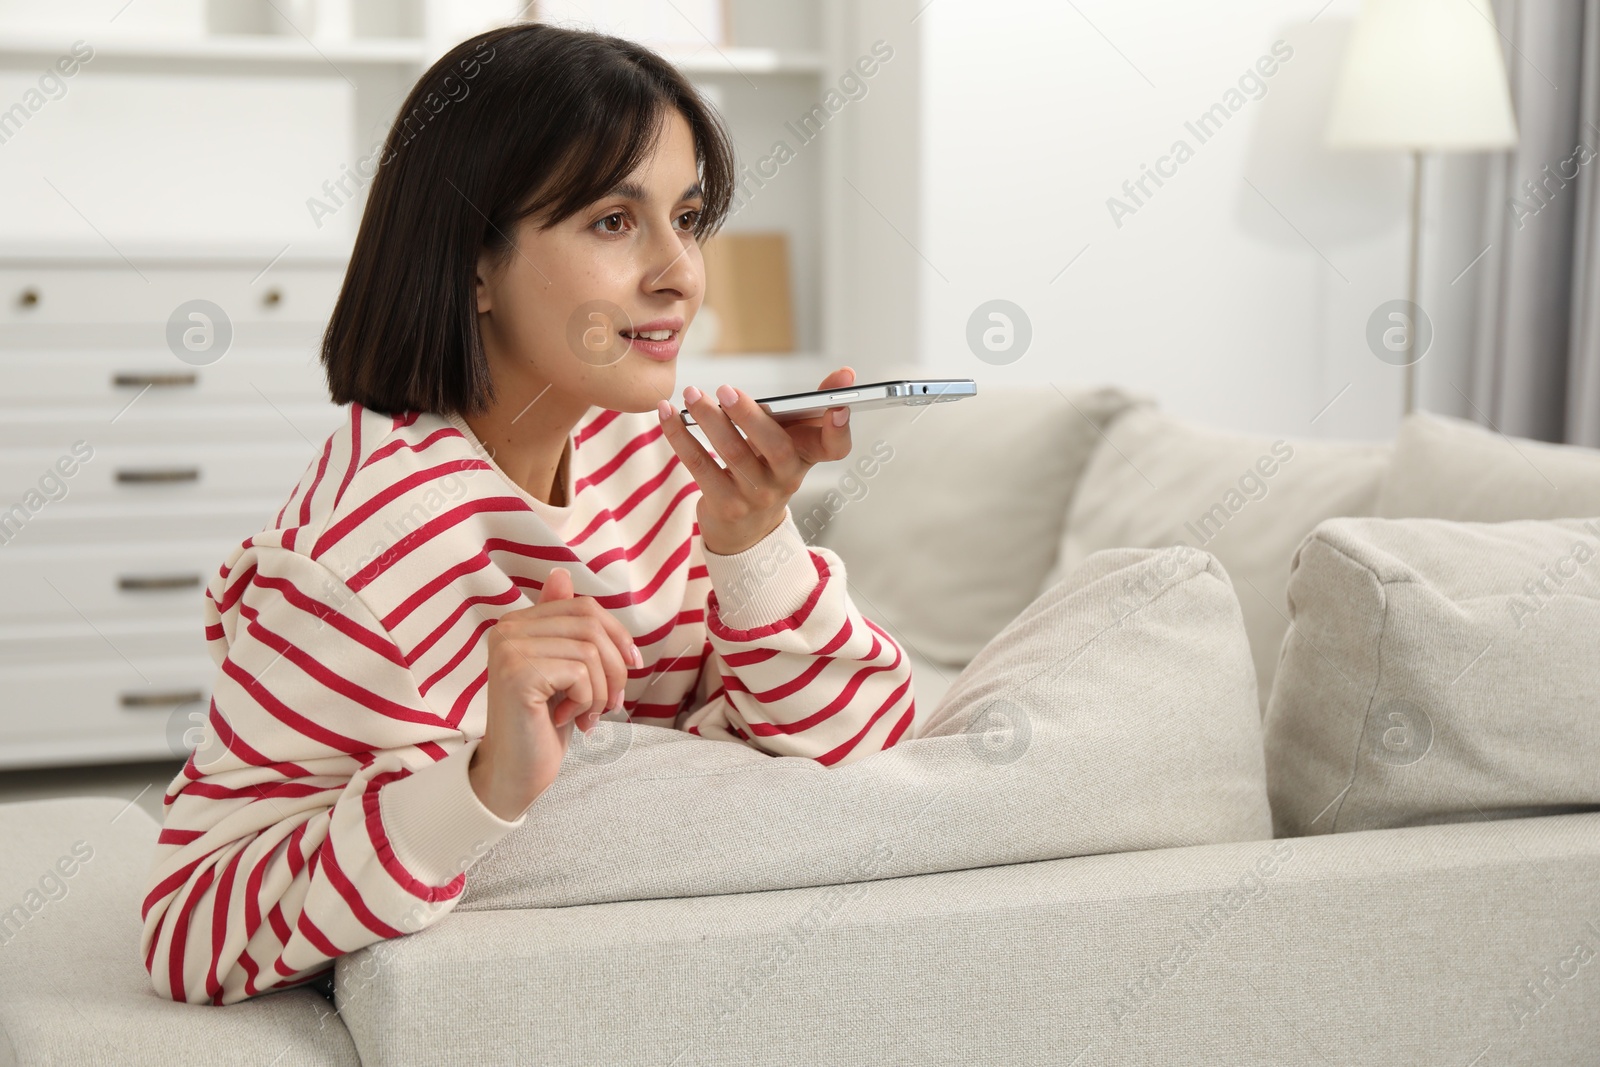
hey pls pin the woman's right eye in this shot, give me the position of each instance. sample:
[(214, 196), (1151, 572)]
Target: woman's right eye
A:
[(601, 222)]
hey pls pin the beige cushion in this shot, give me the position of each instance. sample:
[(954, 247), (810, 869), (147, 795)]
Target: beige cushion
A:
[(1162, 481), (1437, 672), (948, 515), (1446, 468), (1116, 712)]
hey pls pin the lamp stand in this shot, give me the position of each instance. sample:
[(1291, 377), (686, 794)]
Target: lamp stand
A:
[(1409, 402)]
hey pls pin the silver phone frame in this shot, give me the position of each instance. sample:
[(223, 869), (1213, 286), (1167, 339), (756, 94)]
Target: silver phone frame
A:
[(867, 397)]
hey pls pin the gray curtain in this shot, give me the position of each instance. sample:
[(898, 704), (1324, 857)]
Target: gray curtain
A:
[(1583, 372), (1536, 359)]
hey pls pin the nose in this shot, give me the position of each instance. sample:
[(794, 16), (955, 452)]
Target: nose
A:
[(673, 268)]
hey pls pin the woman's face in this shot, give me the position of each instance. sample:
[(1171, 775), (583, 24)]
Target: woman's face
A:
[(554, 313)]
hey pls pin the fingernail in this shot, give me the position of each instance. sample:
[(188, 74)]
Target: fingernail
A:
[(638, 657), (841, 416), (664, 409), (727, 395), (690, 394)]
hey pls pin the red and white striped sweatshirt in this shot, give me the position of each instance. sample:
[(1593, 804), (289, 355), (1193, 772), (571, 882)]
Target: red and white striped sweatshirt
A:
[(330, 806)]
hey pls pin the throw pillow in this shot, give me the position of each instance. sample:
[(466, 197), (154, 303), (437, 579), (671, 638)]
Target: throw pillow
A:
[(1115, 713), (1437, 672)]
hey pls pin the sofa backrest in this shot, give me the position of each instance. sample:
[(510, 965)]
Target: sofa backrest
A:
[(1248, 499), (947, 516), (1448, 468), (951, 521)]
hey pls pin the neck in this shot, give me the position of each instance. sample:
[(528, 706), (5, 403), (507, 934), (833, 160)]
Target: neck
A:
[(529, 440)]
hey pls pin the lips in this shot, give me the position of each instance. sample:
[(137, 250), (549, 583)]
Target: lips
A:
[(673, 324), (659, 350)]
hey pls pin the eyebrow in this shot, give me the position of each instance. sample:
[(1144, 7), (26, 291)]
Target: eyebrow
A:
[(631, 190)]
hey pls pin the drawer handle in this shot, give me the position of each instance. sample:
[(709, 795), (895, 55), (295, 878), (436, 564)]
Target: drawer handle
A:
[(137, 582), (154, 378), (160, 474), (162, 700)]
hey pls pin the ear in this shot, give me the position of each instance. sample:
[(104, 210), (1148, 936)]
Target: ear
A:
[(481, 278)]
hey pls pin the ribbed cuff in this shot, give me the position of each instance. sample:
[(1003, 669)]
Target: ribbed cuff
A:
[(435, 822), (766, 582)]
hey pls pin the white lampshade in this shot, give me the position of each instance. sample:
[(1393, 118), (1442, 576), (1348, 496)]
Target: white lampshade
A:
[(1423, 75)]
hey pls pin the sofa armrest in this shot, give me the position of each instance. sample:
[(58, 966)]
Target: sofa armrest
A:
[(73, 987), (1426, 944)]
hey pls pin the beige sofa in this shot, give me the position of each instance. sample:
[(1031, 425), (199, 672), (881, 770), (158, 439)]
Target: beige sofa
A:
[(1416, 931)]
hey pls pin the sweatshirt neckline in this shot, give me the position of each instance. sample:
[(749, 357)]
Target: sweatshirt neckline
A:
[(554, 515)]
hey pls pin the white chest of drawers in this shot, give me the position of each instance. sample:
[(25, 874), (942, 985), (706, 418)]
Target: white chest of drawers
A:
[(128, 474)]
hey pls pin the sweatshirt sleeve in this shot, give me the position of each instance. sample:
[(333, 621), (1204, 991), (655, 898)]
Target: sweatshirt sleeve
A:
[(328, 807), (790, 666)]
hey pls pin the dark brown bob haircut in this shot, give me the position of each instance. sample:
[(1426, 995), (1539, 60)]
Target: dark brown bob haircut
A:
[(523, 120)]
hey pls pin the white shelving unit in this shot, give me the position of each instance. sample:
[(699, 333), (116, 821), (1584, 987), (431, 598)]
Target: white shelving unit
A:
[(101, 650), (775, 73)]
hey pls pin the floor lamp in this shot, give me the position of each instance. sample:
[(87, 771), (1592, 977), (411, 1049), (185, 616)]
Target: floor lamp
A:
[(1422, 76)]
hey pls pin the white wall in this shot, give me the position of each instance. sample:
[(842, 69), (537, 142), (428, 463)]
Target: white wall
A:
[(1239, 293)]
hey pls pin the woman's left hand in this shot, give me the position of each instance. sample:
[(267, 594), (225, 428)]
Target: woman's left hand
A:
[(743, 503)]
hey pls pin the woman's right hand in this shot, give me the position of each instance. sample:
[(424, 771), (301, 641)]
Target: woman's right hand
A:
[(562, 644)]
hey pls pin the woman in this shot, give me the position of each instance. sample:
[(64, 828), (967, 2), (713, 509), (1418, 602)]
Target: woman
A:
[(512, 533)]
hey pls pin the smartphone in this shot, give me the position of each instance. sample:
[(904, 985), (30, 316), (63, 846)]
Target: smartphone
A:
[(790, 407)]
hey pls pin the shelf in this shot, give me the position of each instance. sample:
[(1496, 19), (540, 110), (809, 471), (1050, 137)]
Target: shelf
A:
[(732, 60), (735, 60), (268, 48), (94, 253)]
